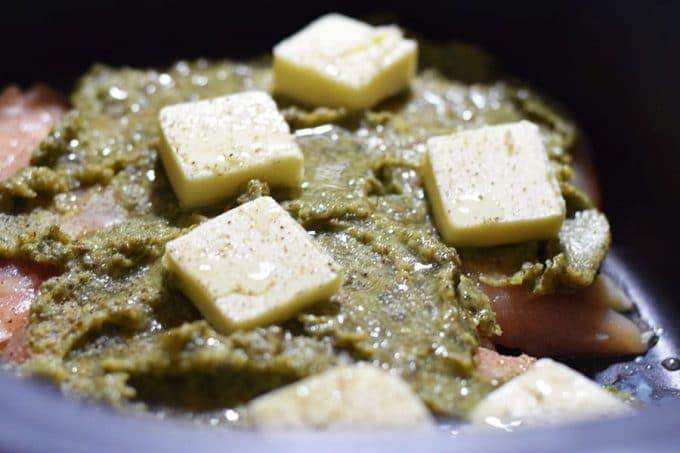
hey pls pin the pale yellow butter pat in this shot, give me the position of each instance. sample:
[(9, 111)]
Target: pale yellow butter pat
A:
[(213, 147), (337, 61), (253, 265), (547, 393), (493, 185), (359, 396)]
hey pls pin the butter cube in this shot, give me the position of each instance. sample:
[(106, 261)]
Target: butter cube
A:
[(251, 266), (493, 185), (337, 61), (359, 396), (213, 147), (547, 393)]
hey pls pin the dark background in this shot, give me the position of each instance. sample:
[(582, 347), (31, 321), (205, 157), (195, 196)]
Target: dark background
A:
[(614, 65)]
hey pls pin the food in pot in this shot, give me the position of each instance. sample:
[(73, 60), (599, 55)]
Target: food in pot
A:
[(110, 231)]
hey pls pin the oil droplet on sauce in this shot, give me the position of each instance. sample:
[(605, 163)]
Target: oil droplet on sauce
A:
[(671, 363)]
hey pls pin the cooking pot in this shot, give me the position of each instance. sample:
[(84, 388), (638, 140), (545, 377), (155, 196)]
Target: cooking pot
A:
[(613, 65)]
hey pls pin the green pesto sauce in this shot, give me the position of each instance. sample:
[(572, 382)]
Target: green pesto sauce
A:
[(113, 327)]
